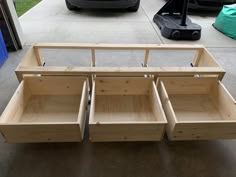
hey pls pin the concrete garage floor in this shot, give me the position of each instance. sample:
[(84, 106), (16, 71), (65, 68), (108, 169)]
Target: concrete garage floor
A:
[(50, 21)]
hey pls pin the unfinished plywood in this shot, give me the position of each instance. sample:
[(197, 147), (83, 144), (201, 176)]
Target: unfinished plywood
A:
[(197, 108), (46, 109), (51, 108), (125, 109)]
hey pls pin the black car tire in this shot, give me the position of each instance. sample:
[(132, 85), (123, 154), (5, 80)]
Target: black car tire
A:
[(135, 7), (70, 6)]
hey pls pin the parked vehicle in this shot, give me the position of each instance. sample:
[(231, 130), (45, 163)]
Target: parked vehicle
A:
[(211, 5), (130, 5)]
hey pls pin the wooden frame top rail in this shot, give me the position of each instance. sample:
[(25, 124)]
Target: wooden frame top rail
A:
[(65, 70), (117, 46)]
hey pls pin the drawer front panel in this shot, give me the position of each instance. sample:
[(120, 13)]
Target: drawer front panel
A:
[(204, 131), (40, 133), (126, 132)]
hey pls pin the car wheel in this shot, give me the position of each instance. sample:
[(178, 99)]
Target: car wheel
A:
[(135, 7), (70, 6)]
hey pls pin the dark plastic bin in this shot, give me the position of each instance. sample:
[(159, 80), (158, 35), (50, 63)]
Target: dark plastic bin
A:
[(3, 50)]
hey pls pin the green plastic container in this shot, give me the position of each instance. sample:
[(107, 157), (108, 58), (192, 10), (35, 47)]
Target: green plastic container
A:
[(226, 21)]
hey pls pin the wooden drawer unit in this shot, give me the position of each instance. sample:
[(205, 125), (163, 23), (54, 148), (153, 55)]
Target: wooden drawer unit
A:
[(125, 109), (197, 108), (46, 109)]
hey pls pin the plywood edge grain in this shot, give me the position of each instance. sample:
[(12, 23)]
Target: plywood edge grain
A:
[(82, 108), (167, 106)]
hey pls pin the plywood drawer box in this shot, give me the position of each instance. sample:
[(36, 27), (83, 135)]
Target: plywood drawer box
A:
[(46, 109), (197, 108), (125, 109)]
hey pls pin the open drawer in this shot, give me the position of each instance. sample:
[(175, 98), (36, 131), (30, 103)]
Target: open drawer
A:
[(197, 108), (125, 109), (46, 109)]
